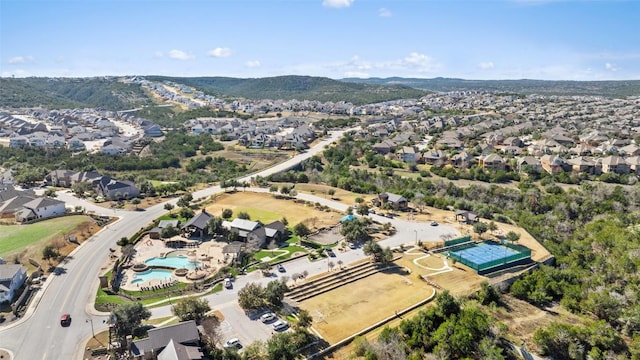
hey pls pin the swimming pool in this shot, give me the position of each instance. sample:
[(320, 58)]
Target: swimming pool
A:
[(172, 260), (153, 274)]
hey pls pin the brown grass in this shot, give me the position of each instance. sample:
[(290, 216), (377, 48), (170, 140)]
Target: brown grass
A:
[(341, 312), (267, 208)]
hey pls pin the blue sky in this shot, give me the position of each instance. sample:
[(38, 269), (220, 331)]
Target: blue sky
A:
[(471, 39)]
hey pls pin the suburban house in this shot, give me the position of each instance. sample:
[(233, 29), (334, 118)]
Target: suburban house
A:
[(552, 164), (582, 164), (40, 208), (197, 223), (614, 164), (175, 342), (408, 154), (461, 160), (156, 232), (12, 277), (275, 231), (113, 189), (397, 202), (252, 231), (491, 162), (529, 162)]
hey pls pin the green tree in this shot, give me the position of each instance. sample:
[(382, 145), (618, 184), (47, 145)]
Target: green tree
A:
[(513, 236), (191, 309), (480, 228), (304, 319), (185, 200), (168, 206), (49, 252), (251, 296), (50, 193), (128, 317), (136, 202), (301, 230), (244, 215), (487, 294), (186, 213), (227, 213), (274, 292), (214, 226)]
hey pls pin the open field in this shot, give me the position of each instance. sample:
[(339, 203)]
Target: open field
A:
[(266, 208), (14, 238), (341, 312), (27, 241)]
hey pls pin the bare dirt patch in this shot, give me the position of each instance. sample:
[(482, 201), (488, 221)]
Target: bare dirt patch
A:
[(267, 208), (339, 313)]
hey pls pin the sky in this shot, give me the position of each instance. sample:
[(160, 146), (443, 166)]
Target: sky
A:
[(469, 39)]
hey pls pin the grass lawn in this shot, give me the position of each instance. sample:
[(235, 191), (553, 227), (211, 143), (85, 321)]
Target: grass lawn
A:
[(14, 238)]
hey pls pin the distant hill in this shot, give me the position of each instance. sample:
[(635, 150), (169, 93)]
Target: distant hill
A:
[(297, 87), (543, 87), (64, 93)]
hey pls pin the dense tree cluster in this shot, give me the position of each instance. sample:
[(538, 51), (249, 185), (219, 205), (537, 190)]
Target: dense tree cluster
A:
[(449, 330)]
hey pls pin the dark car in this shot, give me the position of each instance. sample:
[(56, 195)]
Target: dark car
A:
[(330, 253), (65, 320), (280, 268)]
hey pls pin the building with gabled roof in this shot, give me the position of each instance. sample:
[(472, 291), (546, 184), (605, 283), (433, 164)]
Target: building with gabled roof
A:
[(198, 223), (175, 342), (40, 208), (12, 277)]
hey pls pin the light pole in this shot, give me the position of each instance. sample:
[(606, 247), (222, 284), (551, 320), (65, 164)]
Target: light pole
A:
[(416, 231), (92, 332)]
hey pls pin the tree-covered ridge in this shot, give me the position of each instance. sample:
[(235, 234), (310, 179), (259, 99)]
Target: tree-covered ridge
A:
[(297, 87), (60, 93), (544, 87)]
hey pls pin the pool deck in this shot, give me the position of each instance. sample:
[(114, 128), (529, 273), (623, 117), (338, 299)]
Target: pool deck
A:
[(208, 253)]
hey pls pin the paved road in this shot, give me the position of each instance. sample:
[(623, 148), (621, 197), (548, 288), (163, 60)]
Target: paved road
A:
[(39, 334)]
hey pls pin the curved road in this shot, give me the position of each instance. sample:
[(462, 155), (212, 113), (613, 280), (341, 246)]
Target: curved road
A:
[(38, 335)]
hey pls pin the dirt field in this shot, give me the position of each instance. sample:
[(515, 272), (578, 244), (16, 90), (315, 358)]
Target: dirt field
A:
[(341, 312), (266, 208)]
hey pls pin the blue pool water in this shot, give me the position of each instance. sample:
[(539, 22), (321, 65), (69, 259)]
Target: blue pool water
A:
[(153, 274), (175, 261)]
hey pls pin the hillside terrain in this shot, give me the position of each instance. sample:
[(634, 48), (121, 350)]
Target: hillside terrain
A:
[(525, 86), (297, 87), (62, 93)]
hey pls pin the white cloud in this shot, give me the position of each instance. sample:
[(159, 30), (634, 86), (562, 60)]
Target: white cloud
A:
[(252, 64), (486, 65), (21, 60), (337, 3), (158, 55), (383, 12), (418, 62), (611, 67), (180, 55), (220, 52)]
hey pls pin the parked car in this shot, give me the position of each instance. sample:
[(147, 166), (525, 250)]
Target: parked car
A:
[(280, 325), (434, 223), (268, 317), (330, 252), (65, 320), (233, 343), (227, 283), (280, 268), (352, 245)]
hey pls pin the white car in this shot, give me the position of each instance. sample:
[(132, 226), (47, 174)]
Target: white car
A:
[(227, 283), (280, 325), (233, 343), (268, 317)]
